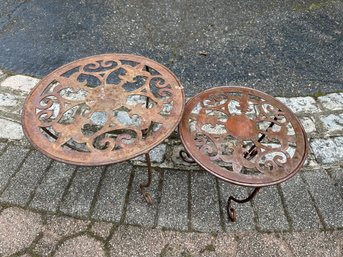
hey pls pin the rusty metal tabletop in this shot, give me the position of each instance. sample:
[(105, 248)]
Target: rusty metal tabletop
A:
[(103, 109), (243, 136)]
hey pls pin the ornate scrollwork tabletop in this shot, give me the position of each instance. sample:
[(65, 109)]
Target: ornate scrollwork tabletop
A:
[(243, 136), (103, 109)]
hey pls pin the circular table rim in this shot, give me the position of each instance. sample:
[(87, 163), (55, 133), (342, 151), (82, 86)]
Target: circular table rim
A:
[(187, 147), (80, 163)]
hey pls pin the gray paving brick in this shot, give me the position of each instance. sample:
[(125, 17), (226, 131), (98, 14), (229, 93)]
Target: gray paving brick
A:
[(328, 150), (300, 206), (173, 211), (10, 130), (205, 213), (81, 246), (9, 163), (102, 229), (138, 211), (25, 181), (308, 124), (244, 212), (110, 203), (314, 243), (332, 123), (18, 228), (57, 228), (8, 100), (326, 196), (20, 82), (136, 241), (338, 179), (300, 104), (332, 101), (49, 193), (270, 212), (81, 192), (261, 244)]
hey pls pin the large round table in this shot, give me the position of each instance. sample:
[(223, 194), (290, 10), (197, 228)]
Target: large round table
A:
[(103, 109)]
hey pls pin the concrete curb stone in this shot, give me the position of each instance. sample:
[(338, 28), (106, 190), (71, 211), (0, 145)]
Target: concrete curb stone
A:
[(20, 82), (186, 199), (10, 130)]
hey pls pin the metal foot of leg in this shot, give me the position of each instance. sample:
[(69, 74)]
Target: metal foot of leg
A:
[(186, 157), (142, 186), (231, 212)]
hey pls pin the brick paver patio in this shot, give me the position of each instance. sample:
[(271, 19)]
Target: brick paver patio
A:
[(53, 209)]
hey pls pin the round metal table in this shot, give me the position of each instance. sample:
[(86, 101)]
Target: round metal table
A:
[(103, 109), (243, 136)]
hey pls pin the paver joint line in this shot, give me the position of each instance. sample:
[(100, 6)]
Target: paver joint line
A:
[(159, 196), (326, 143), (66, 190), (127, 196), (97, 192), (314, 203), (221, 213), (15, 171), (32, 194)]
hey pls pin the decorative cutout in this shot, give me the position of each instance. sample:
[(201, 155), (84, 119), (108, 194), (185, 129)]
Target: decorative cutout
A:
[(113, 107), (243, 135)]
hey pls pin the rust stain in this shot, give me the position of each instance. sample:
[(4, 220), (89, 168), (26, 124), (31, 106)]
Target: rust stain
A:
[(103, 109), (243, 136)]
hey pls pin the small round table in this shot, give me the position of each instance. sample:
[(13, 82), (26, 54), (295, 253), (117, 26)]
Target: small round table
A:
[(103, 109), (243, 136)]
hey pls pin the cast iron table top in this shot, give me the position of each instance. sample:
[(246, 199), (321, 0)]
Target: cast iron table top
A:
[(243, 136), (103, 109)]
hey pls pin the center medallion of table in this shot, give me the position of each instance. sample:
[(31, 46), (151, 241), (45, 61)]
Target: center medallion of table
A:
[(103, 109), (243, 136)]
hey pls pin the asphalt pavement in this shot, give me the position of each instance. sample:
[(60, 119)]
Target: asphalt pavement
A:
[(285, 48)]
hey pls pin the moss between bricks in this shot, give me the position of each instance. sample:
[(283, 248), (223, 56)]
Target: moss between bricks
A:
[(312, 6), (320, 93), (208, 248)]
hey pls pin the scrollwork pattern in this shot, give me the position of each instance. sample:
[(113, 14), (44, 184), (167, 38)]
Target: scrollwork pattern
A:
[(107, 84), (243, 131)]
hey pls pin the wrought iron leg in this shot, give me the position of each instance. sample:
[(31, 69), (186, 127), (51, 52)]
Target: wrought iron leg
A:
[(142, 186), (231, 212), (186, 157), (252, 151)]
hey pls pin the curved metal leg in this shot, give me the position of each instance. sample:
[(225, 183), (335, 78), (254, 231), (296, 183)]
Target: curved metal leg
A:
[(186, 157), (231, 212), (142, 186), (252, 151)]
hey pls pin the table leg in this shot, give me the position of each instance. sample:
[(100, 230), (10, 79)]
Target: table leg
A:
[(142, 186), (252, 151), (186, 157), (231, 212)]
